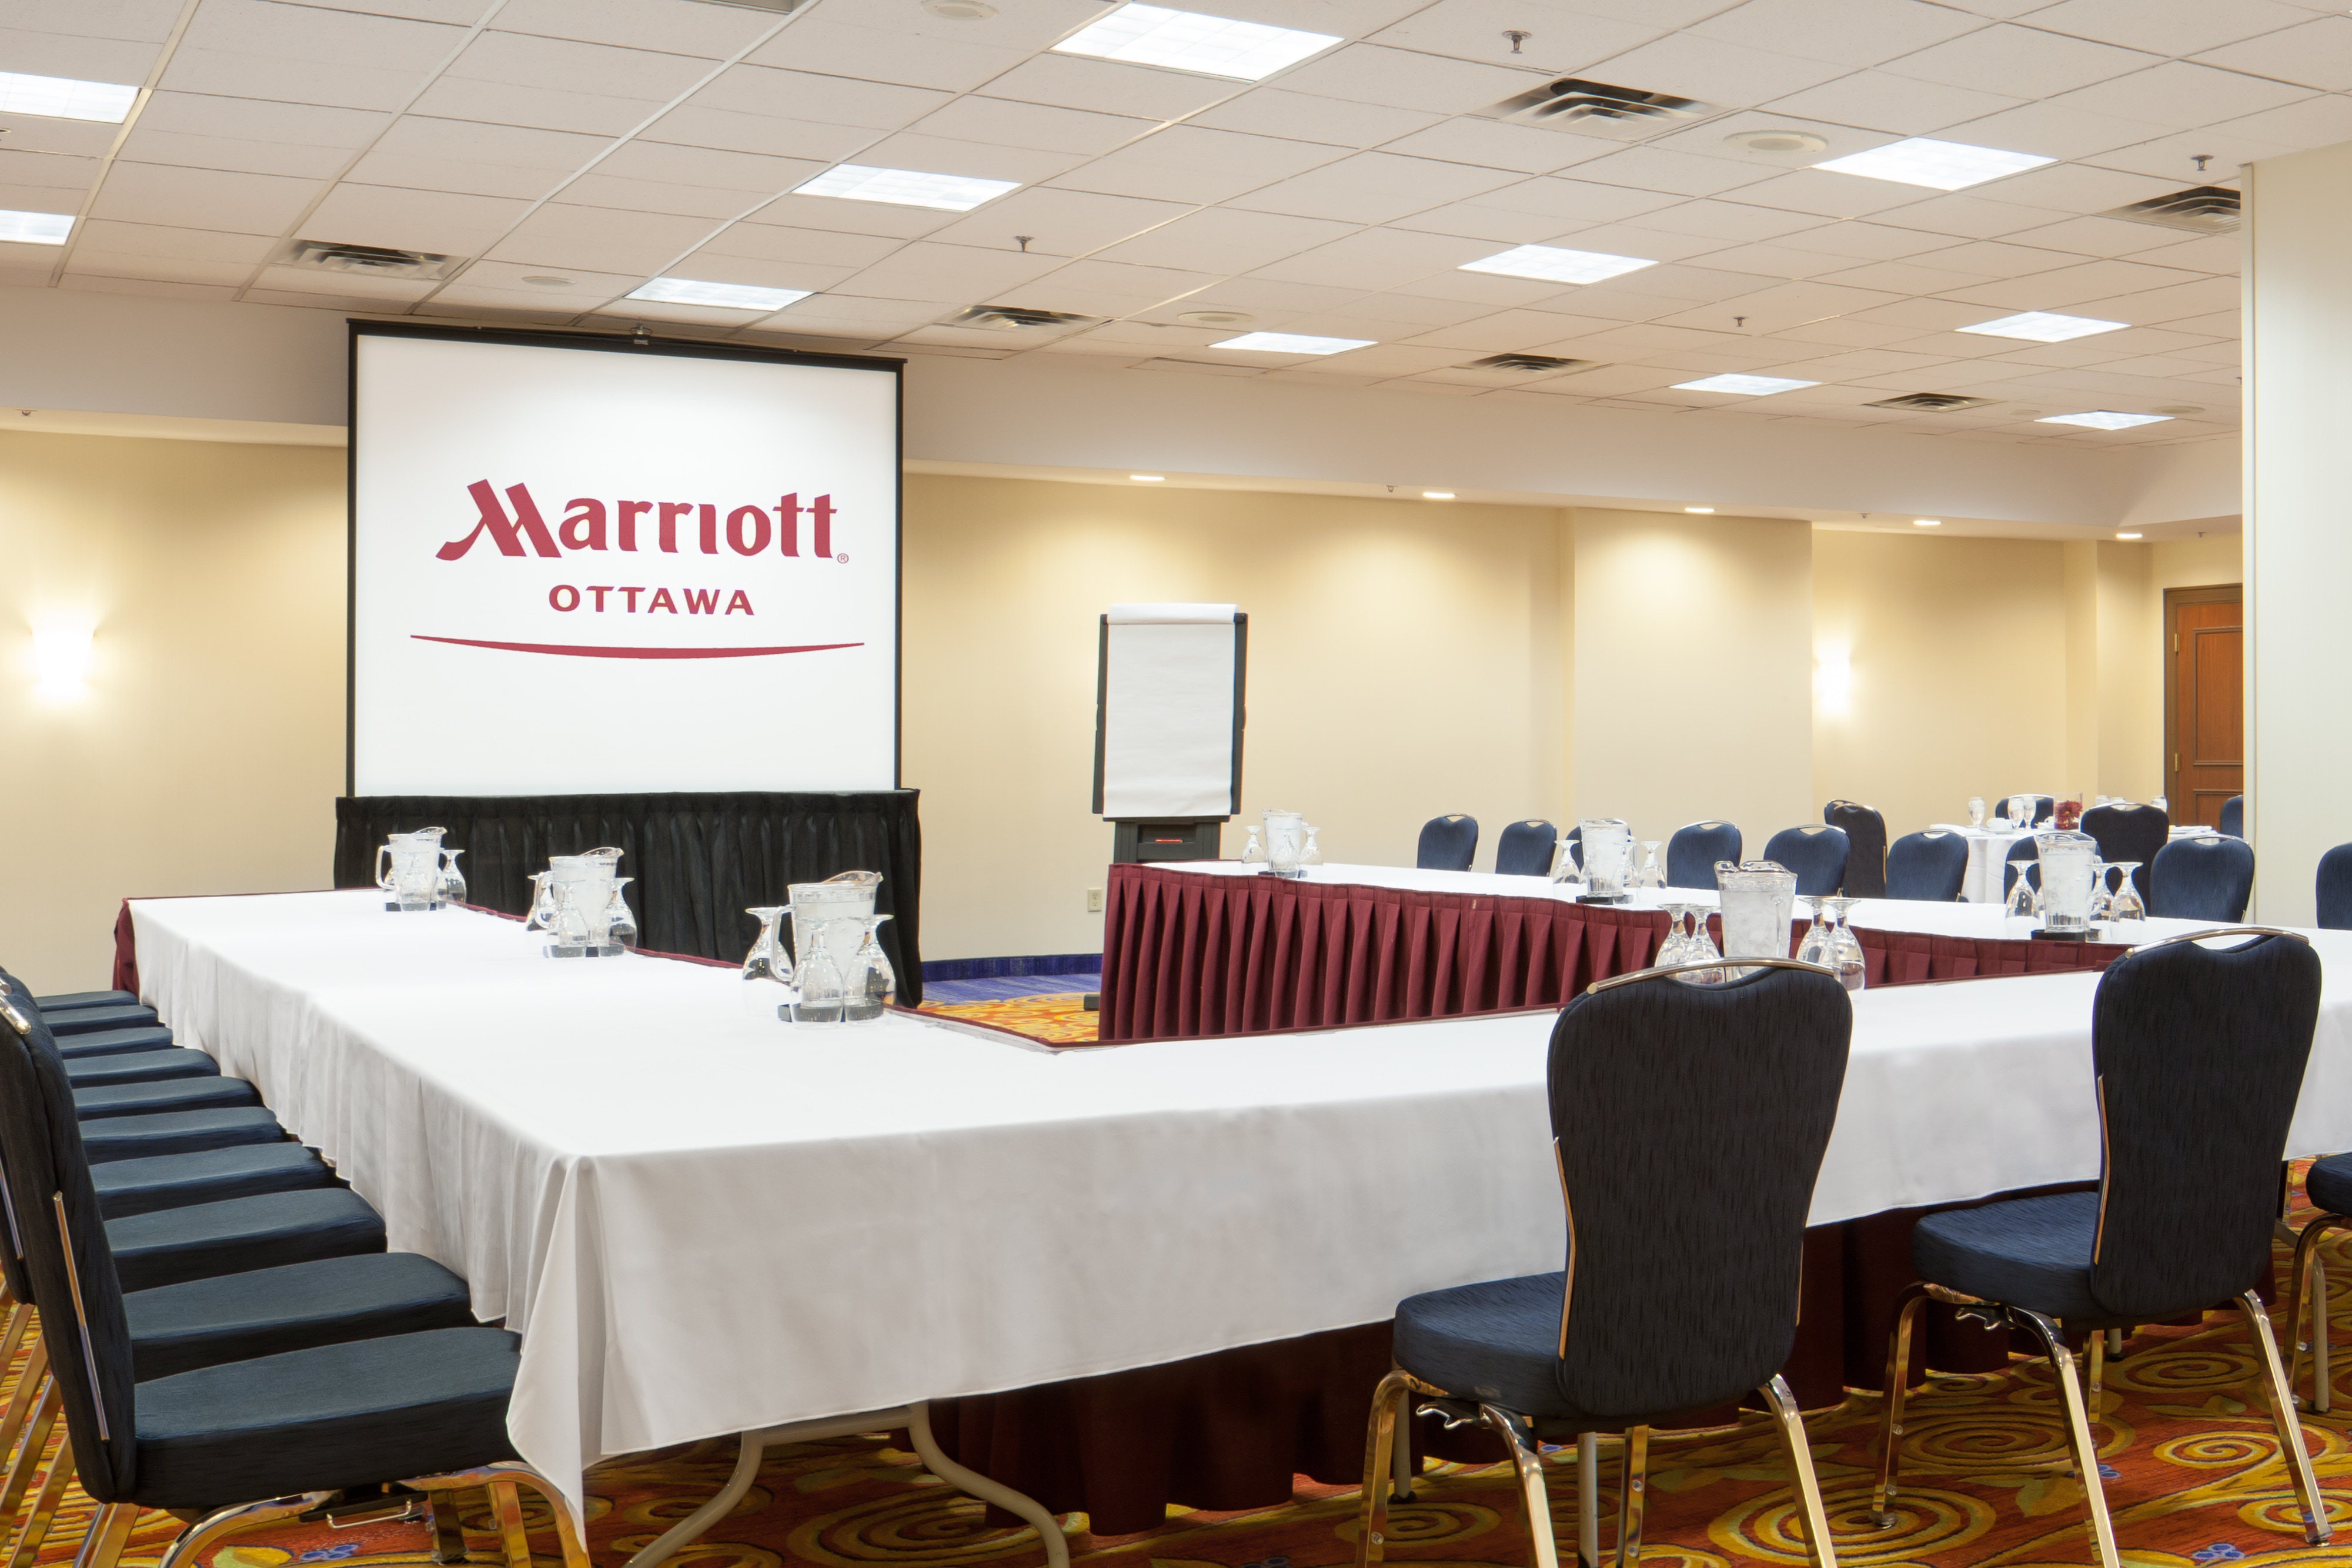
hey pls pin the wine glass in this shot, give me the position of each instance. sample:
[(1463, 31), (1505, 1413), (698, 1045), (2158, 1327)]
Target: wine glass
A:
[(1815, 948), (542, 903), (869, 982), (1252, 852), (620, 924), (1977, 812), (1701, 950), (2020, 811), (2124, 906), (453, 881), (1310, 853), (767, 969), (1844, 950), (2025, 899), (1675, 949), (1652, 873)]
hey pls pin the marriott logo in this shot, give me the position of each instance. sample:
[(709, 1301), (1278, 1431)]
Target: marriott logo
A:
[(516, 527)]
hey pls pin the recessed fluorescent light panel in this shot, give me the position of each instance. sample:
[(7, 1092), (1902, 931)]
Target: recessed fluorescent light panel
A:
[(63, 97), (904, 187), (727, 296), (36, 229), (1189, 41), (1292, 343), (1744, 386), (2044, 326), (2101, 419), (1550, 264), (1938, 165)]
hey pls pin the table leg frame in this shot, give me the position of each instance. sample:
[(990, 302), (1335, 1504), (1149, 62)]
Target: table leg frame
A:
[(916, 1418)]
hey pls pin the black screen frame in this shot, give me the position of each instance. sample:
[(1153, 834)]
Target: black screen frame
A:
[(638, 342)]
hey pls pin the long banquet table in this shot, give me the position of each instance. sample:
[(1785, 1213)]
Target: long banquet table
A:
[(702, 1223)]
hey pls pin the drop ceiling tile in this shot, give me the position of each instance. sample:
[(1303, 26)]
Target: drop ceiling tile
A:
[(91, 262), (825, 99), (559, 235), (90, 284), (818, 41), (707, 268), (1058, 222), (2172, 159), (1499, 227), (497, 103), (461, 13), (2317, 54), (1679, 173), (1778, 260), (1844, 332), (2088, 237), (2077, 188), (1263, 294), (1493, 144), (517, 59), (598, 188), (297, 32), (151, 146), (81, 57), (1965, 218), (2167, 27), (733, 131), (1195, 165), (2022, 60), (445, 223), (825, 312), (675, 27), (1407, 311), (1509, 332), (151, 20), (342, 285), (1142, 284), (157, 240), (1576, 203), (1937, 315), (2314, 122), (1636, 239), (71, 138), (1842, 31), (1155, 337), (1900, 278), (531, 305), (2179, 95), (2202, 253), (980, 159), (459, 176), (953, 272), (1559, 43), (1390, 359), (2069, 286), (2052, 130), (2157, 366), (1374, 187), (1004, 123), (853, 217), (1699, 285), (46, 171), (1829, 195), (662, 310), (1221, 239), (1406, 78), (1375, 259), (1988, 260), (1715, 70), (203, 198), (1901, 105), (1621, 300), (37, 199), (1107, 86), (1492, 292), (353, 85), (1303, 117), (585, 287), (1785, 304), (817, 248), (2166, 306), (253, 120), (1863, 241)]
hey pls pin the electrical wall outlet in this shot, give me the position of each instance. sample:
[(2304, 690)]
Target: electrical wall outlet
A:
[(1094, 900)]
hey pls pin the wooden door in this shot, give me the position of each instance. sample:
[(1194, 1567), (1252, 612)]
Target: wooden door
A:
[(2204, 701)]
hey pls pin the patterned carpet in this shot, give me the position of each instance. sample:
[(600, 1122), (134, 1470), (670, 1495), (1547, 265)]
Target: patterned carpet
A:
[(1057, 1019), (2191, 1463)]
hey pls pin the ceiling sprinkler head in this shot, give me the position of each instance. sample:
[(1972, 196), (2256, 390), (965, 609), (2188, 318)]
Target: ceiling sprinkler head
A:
[(1517, 36)]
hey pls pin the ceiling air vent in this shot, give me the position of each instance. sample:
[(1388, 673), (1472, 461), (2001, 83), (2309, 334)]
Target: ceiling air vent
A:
[(1933, 402), (1596, 108), (371, 260), (2206, 209), (1529, 364), (1017, 319)]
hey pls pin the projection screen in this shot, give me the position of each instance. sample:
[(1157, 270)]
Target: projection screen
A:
[(582, 565)]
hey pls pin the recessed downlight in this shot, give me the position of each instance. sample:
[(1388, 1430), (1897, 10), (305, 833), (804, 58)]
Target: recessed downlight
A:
[(1190, 41), (1938, 165), (1778, 143)]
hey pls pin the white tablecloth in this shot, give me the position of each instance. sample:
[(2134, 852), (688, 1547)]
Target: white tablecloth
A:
[(703, 1223)]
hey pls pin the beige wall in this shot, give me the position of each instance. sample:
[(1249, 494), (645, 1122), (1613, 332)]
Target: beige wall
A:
[(206, 751)]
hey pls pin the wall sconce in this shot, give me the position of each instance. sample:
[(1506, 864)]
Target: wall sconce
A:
[(1832, 683), (61, 654)]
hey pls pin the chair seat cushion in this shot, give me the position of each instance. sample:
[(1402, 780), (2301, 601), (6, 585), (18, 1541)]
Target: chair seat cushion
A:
[(1497, 1341), (319, 1419), (2328, 1184), (240, 1234), (140, 1067), (210, 1175), (110, 1042), (174, 1094), (64, 1000), (106, 1138), (2032, 1252), (83, 1020), (266, 1312)]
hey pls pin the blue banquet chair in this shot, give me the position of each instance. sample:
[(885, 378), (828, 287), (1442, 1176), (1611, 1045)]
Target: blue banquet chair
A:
[(1447, 843), (2233, 817), (2335, 889), (1816, 853), (1692, 851), (1689, 1124), (239, 1443), (2199, 1058), (2125, 832), (1932, 866), (1526, 849), (2201, 878), (1865, 860)]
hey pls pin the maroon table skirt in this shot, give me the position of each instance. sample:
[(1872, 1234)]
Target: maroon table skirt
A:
[(1188, 954)]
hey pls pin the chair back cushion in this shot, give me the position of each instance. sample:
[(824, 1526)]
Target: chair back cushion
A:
[(2129, 833), (1865, 833), (1925, 865), (2335, 889), (2201, 878), (1526, 849), (2199, 1056), (1693, 851), (12, 1238), (1447, 843), (2233, 817), (1689, 1123), (40, 1142), (1816, 853)]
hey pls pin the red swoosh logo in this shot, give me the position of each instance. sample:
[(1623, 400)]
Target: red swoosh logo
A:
[(582, 651)]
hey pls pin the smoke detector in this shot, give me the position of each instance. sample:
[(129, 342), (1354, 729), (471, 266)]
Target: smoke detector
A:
[(1016, 318), (369, 260), (1216, 317), (1529, 364), (1777, 143), (1933, 402), (1597, 108), (2205, 210)]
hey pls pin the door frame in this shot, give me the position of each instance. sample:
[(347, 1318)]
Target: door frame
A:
[(2211, 593)]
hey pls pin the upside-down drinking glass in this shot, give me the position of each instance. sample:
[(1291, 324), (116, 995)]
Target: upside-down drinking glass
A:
[(619, 926), (542, 902), (1844, 950), (766, 969), (1815, 948), (1675, 949), (1252, 852), (1310, 852), (820, 978), (2024, 901), (453, 881), (2124, 906), (2098, 910), (1652, 873), (867, 981), (1977, 812)]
